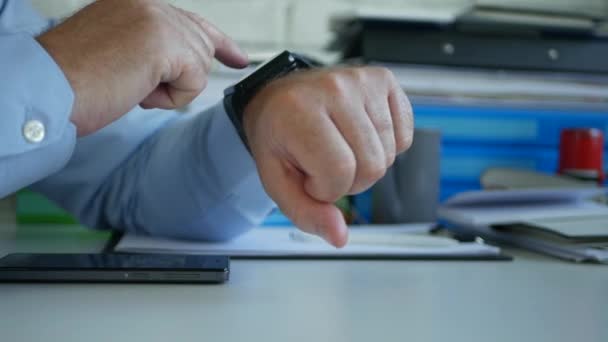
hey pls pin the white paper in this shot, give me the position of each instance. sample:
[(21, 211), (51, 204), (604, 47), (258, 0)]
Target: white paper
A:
[(568, 252), (524, 196), (516, 206), (506, 214), (478, 211), (588, 226), (500, 84), (275, 242)]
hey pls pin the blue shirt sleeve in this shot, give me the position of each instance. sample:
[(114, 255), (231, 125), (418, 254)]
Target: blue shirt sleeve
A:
[(151, 172), (33, 90), (161, 173)]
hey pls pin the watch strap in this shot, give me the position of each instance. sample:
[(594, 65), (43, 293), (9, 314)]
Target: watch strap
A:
[(238, 96), (235, 114)]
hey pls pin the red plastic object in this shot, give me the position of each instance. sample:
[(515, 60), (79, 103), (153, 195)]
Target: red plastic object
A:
[(581, 153)]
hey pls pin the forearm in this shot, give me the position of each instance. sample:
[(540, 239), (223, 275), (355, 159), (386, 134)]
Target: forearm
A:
[(192, 179)]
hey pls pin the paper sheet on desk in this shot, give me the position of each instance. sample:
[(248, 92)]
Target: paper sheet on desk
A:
[(523, 196), (276, 243), (509, 206)]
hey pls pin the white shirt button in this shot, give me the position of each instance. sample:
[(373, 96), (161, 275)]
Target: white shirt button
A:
[(34, 131)]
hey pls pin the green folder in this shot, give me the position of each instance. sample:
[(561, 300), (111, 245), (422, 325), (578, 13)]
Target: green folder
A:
[(33, 208)]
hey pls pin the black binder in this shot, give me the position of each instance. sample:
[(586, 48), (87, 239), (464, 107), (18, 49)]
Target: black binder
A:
[(480, 45)]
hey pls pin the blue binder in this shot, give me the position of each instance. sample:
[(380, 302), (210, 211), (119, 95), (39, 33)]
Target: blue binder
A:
[(477, 137)]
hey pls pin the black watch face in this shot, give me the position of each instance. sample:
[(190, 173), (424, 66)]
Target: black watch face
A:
[(280, 65), (282, 59), (237, 97)]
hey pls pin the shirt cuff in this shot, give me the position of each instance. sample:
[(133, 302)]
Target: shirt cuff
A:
[(235, 168), (35, 97)]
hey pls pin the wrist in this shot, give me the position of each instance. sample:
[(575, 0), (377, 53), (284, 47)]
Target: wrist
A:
[(52, 45), (257, 106), (241, 99)]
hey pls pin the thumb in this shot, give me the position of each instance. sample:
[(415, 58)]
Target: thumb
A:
[(285, 184)]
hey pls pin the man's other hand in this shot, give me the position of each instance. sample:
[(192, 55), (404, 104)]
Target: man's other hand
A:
[(319, 135), (117, 54)]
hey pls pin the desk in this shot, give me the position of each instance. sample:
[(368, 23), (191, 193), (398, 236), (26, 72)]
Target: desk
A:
[(530, 299)]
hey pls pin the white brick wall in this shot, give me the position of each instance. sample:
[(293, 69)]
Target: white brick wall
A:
[(303, 24), (582, 7), (253, 22)]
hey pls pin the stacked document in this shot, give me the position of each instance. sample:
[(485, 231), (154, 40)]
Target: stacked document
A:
[(567, 223), (378, 242), (508, 86)]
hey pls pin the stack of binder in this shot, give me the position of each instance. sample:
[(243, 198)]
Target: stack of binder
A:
[(565, 223), (482, 36)]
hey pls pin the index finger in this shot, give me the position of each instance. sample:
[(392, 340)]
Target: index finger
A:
[(226, 50)]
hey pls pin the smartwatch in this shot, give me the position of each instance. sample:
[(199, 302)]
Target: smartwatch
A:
[(237, 97)]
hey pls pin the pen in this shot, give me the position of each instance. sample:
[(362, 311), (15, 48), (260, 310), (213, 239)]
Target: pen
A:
[(381, 239)]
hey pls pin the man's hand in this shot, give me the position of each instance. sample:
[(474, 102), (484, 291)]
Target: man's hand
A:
[(319, 135), (120, 53)]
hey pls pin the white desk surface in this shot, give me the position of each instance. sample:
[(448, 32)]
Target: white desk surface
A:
[(531, 299)]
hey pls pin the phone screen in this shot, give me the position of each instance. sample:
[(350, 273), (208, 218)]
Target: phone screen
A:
[(114, 262)]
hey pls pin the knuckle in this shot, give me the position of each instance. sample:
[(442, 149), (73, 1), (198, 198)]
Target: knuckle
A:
[(371, 172), (376, 172), (386, 75), (196, 17), (335, 83), (390, 159), (326, 190), (366, 179), (382, 72), (340, 178), (406, 141), (345, 169), (202, 21), (293, 99), (384, 124), (150, 10), (358, 74), (406, 103)]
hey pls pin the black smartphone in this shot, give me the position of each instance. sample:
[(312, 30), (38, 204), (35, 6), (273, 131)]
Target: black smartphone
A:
[(114, 268)]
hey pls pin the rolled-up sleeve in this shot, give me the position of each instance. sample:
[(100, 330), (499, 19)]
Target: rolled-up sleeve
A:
[(36, 135)]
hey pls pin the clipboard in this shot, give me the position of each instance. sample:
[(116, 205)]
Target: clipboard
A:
[(275, 243)]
